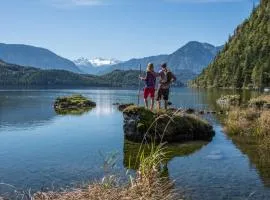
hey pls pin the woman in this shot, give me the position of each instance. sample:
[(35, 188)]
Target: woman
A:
[(150, 83)]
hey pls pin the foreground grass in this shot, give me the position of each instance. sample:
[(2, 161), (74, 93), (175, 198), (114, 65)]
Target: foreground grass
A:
[(148, 183)]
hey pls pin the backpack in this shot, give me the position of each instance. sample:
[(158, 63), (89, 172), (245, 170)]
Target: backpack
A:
[(169, 77)]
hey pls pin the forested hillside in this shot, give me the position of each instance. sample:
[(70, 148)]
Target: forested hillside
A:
[(15, 76), (245, 60)]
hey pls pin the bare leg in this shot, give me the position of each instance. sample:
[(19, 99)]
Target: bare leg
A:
[(146, 103), (152, 103), (158, 105), (165, 104)]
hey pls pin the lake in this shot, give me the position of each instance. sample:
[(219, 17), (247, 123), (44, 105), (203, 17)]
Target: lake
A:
[(42, 150)]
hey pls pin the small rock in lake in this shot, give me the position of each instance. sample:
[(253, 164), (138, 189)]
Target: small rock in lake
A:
[(190, 110), (201, 112), (75, 104)]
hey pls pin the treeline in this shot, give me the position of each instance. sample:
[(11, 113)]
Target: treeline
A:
[(245, 60), (17, 76), (14, 76)]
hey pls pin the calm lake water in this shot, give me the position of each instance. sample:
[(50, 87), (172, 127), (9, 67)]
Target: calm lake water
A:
[(40, 149)]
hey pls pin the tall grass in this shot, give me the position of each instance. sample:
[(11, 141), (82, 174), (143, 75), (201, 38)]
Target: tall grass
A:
[(251, 122), (147, 183)]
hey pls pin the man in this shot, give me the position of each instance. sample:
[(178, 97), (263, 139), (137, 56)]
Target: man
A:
[(166, 78)]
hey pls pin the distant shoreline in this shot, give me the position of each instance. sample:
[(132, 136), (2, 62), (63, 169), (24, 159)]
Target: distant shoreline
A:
[(75, 88)]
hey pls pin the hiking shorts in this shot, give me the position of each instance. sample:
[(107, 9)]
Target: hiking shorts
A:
[(149, 91), (163, 94)]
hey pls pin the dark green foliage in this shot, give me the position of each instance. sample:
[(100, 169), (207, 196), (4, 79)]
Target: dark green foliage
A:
[(128, 78), (26, 77), (245, 59)]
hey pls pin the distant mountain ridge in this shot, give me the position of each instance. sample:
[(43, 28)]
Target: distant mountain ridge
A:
[(26, 55), (194, 57), (186, 62)]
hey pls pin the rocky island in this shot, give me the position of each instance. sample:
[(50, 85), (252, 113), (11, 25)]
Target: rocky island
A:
[(164, 126), (75, 104)]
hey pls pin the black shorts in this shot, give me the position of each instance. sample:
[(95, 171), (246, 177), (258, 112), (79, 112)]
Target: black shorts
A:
[(163, 94)]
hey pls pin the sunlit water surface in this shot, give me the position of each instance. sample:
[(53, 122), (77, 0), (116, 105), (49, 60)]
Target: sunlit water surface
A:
[(40, 149)]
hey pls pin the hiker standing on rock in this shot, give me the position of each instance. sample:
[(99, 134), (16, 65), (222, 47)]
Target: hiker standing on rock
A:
[(166, 79), (150, 83)]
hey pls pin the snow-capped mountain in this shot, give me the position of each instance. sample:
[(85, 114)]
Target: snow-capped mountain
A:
[(97, 62), (82, 62), (93, 66)]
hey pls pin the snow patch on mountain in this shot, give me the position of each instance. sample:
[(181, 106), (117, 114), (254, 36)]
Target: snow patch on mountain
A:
[(102, 61), (96, 62), (82, 62)]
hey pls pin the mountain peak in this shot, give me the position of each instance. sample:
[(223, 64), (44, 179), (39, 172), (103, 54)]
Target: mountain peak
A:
[(103, 61), (27, 55), (198, 44)]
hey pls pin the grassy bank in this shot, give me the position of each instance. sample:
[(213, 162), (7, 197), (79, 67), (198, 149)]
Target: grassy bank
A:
[(148, 183), (252, 120)]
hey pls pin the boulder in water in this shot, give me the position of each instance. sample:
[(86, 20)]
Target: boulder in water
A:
[(166, 126)]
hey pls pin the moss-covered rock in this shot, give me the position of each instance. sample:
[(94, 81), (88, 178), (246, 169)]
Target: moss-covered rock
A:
[(170, 126), (229, 100), (122, 107), (75, 104)]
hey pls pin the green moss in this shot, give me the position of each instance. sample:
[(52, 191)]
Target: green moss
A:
[(75, 104), (168, 125), (146, 117)]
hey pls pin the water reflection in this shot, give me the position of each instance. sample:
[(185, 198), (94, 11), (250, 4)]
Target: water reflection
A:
[(21, 110), (42, 148), (132, 151), (260, 159)]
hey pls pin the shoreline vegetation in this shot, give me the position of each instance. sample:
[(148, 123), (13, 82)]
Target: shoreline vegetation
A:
[(252, 120)]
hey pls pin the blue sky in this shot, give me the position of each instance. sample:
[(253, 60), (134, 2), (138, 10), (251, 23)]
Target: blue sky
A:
[(119, 29)]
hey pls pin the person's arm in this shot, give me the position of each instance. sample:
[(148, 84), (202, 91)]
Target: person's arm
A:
[(142, 78), (156, 74), (174, 77)]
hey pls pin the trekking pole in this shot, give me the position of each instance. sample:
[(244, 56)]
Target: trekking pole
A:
[(139, 89)]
